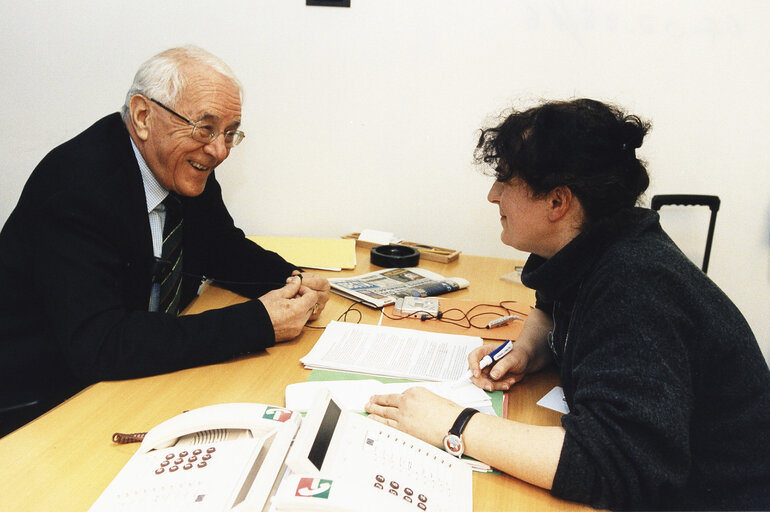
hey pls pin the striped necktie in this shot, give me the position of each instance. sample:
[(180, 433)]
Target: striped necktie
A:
[(171, 252)]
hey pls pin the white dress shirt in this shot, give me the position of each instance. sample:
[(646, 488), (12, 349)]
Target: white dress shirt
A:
[(156, 212)]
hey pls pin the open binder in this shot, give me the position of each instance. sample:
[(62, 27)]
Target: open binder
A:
[(354, 464)]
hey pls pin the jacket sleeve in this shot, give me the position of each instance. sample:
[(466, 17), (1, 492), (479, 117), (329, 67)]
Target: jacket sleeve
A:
[(95, 292), (223, 253), (629, 390)]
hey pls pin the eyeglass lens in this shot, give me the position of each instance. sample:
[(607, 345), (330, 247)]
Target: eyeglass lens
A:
[(206, 134)]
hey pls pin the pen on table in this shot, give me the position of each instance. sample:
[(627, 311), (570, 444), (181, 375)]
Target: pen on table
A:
[(490, 358)]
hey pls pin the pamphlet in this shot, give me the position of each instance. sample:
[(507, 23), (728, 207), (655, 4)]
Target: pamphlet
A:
[(342, 461), (383, 287)]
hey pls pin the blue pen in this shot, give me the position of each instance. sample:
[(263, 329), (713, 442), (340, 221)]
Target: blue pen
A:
[(491, 358)]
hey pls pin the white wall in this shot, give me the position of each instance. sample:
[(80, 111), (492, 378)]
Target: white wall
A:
[(367, 117)]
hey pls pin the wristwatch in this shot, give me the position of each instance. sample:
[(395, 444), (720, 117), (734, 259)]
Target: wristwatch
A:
[(453, 441)]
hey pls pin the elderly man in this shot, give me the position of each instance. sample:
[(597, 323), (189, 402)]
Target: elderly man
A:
[(93, 282)]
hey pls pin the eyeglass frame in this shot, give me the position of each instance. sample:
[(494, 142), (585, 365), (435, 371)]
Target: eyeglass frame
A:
[(238, 135)]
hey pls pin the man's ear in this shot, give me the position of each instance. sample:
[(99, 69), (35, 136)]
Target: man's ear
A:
[(139, 113), (560, 200)]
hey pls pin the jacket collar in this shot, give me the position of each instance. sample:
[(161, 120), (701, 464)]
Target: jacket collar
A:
[(558, 277)]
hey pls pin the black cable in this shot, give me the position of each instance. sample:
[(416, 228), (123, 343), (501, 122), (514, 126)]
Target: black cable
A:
[(466, 319), (343, 317)]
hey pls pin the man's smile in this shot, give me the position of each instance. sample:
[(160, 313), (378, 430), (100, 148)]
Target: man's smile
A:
[(200, 167)]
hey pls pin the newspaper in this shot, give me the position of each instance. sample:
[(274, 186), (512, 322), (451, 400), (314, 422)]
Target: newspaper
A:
[(383, 287)]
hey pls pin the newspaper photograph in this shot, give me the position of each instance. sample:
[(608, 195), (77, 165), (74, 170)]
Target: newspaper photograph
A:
[(383, 287)]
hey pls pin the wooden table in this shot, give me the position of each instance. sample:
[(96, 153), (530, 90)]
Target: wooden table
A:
[(63, 460)]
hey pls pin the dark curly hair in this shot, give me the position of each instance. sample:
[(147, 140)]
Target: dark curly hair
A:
[(582, 144)]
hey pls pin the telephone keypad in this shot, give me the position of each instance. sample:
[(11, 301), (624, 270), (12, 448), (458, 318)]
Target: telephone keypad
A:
[(184, 460)]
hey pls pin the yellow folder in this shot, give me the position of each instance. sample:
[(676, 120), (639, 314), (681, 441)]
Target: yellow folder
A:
[(318, 253)]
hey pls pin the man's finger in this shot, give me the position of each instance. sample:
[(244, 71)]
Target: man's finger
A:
[(293, 285)]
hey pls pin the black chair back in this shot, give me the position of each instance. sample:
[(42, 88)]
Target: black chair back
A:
[(712, 202)]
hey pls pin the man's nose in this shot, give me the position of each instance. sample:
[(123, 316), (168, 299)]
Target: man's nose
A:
[(218, 148)]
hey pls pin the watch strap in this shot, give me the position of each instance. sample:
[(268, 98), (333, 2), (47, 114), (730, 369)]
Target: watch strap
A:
[(462, 421)]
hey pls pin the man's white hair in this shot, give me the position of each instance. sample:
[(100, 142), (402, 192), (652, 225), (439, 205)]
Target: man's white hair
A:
[(161, 77)]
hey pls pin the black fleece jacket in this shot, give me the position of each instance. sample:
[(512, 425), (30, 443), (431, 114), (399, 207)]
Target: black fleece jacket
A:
[(669, 394)]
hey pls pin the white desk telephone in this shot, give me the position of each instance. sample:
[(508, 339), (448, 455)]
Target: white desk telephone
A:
[(245, 458), (224, 457)]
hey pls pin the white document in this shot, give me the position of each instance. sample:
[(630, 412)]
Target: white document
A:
[(354, 394), (342, 461), (377, 237), (392, 352), (555, 400)]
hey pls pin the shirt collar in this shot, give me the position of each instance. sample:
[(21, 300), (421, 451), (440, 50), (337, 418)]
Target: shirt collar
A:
[(154, 192)]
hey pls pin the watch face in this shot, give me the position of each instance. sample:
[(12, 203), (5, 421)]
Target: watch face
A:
[(453, 444)]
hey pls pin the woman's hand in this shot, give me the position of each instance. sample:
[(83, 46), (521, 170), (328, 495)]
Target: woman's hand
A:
[(502, 374), (530, 353), (416, 411)]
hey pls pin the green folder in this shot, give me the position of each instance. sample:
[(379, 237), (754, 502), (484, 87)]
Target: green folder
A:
[(497, 397)]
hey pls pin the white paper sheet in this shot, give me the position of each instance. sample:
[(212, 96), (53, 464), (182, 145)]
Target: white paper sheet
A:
[(555, 400), (377, 237), (354, 394), (391, 352)]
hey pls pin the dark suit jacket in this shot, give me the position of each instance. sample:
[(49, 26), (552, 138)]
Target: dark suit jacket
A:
[(75, 263)]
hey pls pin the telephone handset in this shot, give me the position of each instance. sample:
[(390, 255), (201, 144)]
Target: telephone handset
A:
[(223, 457)]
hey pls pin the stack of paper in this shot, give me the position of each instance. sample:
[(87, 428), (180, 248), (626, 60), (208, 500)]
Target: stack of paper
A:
[(392, 352)]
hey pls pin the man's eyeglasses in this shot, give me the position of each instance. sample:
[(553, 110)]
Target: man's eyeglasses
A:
[(204, 132)]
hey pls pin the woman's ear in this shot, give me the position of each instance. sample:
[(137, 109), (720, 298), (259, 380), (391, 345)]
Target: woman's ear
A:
[(560, 201)]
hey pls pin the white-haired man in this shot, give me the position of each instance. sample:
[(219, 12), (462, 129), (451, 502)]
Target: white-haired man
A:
[(94, 283)]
